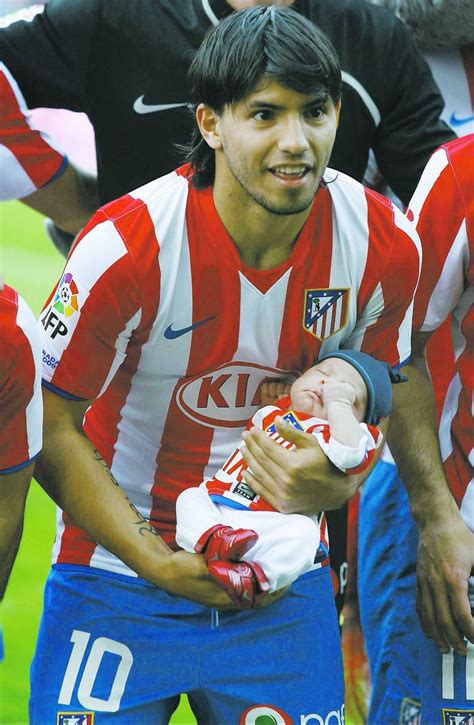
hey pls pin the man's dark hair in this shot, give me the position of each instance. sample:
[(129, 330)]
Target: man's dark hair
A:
[(261, 42)]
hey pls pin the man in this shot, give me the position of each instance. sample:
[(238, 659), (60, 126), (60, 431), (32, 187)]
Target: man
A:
[(34, 170), (176, 304), (137, 100), (445, 584), (21, 429)]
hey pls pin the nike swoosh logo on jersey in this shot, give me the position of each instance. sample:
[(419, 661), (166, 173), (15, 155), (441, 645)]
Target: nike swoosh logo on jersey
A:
[(455, 121), (171, 334), (140, 107)]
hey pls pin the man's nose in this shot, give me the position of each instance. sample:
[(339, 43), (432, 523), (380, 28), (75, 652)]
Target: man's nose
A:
[(293, 136)]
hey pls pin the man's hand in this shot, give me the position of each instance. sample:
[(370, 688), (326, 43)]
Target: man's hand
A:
[(445, 562), (298, 480), (186, 575)]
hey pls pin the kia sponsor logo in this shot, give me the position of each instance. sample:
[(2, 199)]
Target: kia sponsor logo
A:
[(228, 396)]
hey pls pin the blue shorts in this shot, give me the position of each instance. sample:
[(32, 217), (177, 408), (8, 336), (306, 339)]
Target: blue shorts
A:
[(388, 543), (125, 650)]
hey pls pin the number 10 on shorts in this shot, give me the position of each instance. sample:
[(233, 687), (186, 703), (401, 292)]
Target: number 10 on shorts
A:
[(99, 647)]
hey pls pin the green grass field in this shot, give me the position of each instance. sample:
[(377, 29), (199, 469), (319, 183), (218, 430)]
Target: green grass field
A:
[(29, 262)]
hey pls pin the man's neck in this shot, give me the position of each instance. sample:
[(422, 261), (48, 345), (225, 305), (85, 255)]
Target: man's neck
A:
[(263, 240)]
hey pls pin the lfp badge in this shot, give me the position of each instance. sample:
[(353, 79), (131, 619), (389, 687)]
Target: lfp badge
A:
[(65, 299), (325, 311)]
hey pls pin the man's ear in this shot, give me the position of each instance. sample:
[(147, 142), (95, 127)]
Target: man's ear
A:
[(208, 121)]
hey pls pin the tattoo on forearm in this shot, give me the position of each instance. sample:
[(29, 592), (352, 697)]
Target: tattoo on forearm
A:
[(144, 524)]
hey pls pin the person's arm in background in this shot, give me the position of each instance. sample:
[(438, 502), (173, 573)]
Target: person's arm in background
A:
[(443, 211), (69, 200), (446, 546), (13, 492)]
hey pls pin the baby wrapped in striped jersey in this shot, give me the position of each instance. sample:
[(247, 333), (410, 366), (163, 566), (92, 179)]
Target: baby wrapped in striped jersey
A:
[(249, 547)]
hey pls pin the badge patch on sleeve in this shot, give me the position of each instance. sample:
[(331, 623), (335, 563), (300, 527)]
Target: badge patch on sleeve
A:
[(325, 311), (75, 718), (458, 717)]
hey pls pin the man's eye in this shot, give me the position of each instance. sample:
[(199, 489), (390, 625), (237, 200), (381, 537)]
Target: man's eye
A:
[(315, 112), (263, 115)]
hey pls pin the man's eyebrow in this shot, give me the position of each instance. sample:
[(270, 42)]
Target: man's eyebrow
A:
[(267, 105)]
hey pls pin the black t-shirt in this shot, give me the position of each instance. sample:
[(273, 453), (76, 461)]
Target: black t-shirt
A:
[(121, 62)]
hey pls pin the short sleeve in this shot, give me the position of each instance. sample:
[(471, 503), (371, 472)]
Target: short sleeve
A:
[(92, 313), (20, 384), (28, 158)]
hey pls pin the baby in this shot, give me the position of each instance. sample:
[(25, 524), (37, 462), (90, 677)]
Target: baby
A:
[(249, 547)]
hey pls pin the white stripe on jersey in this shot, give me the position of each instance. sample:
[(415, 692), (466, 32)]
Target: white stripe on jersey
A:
[(467, 505), (258, 343), (121, 344), (34, 411), (348, 261), (464, 305), (168, 356), (450, 408), (105, 246), (450, 285), (428, 179)]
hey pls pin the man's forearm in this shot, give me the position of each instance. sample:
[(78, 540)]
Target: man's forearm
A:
[(70, 200), (13, 492), (413, 440), (74, 474)]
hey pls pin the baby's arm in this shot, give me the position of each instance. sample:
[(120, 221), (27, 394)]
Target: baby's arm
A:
[(351, 445), (339, 399)]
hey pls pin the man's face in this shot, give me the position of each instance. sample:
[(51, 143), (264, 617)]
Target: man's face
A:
[(274, 146)]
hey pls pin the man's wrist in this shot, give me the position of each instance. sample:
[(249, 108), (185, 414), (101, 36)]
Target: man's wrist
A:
[(433, 507)]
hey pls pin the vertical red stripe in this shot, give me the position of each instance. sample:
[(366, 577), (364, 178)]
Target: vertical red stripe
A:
[(298, 348), (387, 256)]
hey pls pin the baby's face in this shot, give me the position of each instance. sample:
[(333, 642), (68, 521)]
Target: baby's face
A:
[(309, 393)]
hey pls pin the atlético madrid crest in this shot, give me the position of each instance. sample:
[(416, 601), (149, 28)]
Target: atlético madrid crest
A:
[(325, 311)]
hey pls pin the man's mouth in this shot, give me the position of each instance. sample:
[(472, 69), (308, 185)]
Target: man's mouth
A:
[(290, 172)]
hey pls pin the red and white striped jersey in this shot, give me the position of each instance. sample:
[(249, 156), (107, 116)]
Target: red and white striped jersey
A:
[(227, 486), (21, 403), (27, 157), (443, 210), (157, 320)]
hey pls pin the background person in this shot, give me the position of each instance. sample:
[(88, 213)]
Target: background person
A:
[(444, 516), (21, 414)]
